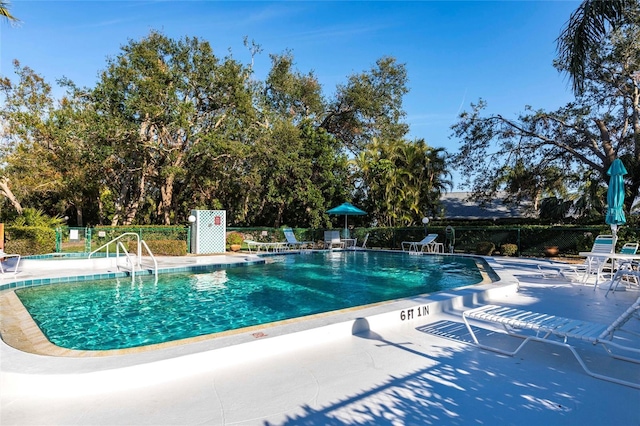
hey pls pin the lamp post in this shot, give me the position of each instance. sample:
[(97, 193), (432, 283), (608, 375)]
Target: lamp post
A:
[(425, 221), (192, 221)]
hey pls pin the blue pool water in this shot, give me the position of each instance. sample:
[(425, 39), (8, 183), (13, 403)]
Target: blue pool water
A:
[(121, 313)]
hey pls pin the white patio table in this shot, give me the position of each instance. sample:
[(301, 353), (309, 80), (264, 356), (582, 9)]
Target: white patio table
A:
[(614, 257), (348, 242)]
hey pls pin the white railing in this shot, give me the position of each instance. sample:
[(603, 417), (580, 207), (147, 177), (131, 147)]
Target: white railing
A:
[(129, 260), (137, 263), (155, 262)]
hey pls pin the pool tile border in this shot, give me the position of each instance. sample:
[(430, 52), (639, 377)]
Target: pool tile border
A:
[(124, 274)]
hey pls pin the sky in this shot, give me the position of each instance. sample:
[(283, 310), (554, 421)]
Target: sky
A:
[(455, 52)]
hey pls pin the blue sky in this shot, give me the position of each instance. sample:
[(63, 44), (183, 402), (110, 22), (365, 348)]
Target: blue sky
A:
[(455, 51)]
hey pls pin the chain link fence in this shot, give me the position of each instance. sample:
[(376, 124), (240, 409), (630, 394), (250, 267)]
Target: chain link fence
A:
[(531, 241), (85, 240)]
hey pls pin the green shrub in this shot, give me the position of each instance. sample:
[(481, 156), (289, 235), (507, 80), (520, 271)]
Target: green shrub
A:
[(146, 232), (30, 240), (234, 238), (485, 248), (509, 249), (161, 247)]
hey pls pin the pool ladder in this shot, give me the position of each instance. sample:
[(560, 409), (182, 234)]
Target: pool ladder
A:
[(131, 263)]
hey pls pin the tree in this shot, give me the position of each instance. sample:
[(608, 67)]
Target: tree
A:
[(584, 32), (170, 127), (603, 123), (369, 106), (297, 169), (400, 181), (46, 160), (165, 97)]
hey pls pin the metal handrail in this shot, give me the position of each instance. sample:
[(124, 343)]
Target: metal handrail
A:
[(115, 240), (155, 263), (119, 244), (128, 256)]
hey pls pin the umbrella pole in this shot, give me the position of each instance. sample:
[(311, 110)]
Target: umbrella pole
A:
[(346, 228)]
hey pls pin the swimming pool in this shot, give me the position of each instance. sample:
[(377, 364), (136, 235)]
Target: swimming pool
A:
[(121, 313)]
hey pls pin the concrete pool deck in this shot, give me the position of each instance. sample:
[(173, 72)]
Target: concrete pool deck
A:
[(365, 366)]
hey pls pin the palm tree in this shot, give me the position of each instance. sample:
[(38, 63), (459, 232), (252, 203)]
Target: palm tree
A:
[(584, 31), (4, 11), (401, 180)]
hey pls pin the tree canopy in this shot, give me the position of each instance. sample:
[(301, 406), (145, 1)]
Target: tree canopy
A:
[(549, 153), (170, 126)]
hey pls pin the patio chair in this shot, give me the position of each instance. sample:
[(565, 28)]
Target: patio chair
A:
[(293, 242), (427, 242), (545, 327), (332, 238), (9, 262), (362, 247), (593, 265), (626, 271), (628, 248)]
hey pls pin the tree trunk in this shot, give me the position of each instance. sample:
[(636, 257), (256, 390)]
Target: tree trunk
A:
[(166, 192), (79, 212), (6, 191), (101, 215), (120, 201), (134, 206)]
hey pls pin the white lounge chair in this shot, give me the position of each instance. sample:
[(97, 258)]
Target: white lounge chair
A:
[(332, 238), (427, 244), (546, 327), (259, 245), (293, 242)]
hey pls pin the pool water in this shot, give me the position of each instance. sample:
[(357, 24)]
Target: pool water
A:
[(124, 313)]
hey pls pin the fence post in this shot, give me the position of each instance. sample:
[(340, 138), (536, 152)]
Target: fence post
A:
[(58, 240), (87, 240)]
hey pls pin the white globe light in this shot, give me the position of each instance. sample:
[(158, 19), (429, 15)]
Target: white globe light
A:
[(425, 220), (192, 218)]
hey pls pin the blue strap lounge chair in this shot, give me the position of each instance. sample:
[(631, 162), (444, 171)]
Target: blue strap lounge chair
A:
[(9, 262), (293, 242)]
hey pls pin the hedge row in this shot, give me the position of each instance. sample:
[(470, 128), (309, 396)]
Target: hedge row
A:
[(161, 247), (29, 240)]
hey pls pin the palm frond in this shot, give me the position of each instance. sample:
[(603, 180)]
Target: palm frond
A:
[(584, 30)]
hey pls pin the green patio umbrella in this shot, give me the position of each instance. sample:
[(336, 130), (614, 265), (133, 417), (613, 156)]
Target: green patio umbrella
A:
[(615, 196), (347, 209)]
